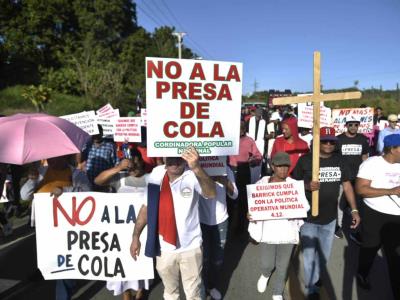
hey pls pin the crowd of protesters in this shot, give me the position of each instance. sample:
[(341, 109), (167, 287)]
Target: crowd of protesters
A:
[(188, 229)]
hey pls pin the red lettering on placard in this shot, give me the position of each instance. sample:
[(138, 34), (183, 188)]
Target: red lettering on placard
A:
[(75, 213), (173, 66), (233, 73), (161, 87), (191, 129), (167, 131), (187, 110), (224, 93), (152, 68), (211, 94), (197, 72), (202, 110)]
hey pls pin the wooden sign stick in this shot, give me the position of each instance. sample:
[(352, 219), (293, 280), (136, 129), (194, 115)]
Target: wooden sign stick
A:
[(316, 98)]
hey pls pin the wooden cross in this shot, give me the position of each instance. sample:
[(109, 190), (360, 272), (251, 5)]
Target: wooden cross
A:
[(316, 98)]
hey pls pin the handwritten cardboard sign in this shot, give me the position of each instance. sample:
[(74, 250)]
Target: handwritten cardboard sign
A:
[(278, 200), (88, 235), (364, 115), (192, 102)]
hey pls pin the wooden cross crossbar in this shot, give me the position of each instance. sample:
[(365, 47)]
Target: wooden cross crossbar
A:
[(316, 98)]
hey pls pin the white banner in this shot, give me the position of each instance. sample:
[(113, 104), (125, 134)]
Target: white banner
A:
[(85, 120), (192, 102), (105, 109), (365, 115), (278, 200), (214, 165), (305, 115), (88, 236), (127, 129)]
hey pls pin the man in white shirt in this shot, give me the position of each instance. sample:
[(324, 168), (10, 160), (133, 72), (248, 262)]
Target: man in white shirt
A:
[(172, 216)]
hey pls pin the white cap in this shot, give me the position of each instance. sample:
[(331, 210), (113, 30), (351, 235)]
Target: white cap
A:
[(352, 119), (275, 116)]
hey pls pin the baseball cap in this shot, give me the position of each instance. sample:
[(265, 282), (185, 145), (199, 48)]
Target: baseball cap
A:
[(281, 159), (392, 118), (327, 134), (391, 140), (352, 119), (275, 116)]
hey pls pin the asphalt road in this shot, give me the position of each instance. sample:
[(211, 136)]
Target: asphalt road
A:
[(19, 280)]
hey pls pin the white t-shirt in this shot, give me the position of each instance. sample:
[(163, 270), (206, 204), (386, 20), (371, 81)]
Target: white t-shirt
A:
[(214, 211), (382, 175), (185, 192)]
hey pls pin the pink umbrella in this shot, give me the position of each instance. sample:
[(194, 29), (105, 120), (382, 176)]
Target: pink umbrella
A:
[(26, 138)]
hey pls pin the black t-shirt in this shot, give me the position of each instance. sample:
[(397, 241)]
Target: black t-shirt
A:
[(332, 172), (352, 149)]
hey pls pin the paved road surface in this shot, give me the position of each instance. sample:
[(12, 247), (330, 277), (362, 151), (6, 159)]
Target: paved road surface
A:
[(241, 271)]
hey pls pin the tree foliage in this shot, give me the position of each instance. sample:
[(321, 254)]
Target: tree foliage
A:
[(93, 49)]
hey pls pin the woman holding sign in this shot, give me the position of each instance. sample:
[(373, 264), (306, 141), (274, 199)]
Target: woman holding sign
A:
[(127, 177), (277, 237)]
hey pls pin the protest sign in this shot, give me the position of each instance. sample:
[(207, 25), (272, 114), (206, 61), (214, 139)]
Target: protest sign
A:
[(365, 115), (110, 114), (305, 115), (88, 236), (105, 109), (278, 200), (85, 120), (108, 125), (213, 165), (192, 102), (143, 117), (127, 129)]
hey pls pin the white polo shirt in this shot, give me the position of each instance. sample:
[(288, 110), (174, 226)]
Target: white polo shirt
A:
[(214, 211), (185, 192), (383, 175)]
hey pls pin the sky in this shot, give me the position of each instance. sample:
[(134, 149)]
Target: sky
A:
[(359, 40)]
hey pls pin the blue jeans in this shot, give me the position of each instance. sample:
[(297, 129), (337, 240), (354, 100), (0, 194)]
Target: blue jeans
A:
[(214, 239), (316, 241)]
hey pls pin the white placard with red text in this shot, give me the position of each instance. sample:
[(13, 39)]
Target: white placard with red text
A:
[(85, 120), (214, 165), (104, 110), (365, 115), (192, 102), (127, 129), (305, 115), (88, 236), (278, 200)]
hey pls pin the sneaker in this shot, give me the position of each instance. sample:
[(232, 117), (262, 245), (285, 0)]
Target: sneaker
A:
[(262, 283), (215, 294), (339, 232), (356, 238), (277, 297), (363, 282), (7, 229)]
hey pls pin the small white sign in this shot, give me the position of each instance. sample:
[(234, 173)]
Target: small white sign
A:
[(85, 120), (305, 115), (278, 200), (365, 115), (127, 129), (214, 165)]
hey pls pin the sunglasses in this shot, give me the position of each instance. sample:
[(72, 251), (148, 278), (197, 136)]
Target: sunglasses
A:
[(328, 142), (353, 124)]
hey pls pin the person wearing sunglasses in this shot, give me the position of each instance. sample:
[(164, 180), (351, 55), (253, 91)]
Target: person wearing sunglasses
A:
[(391, 129), (317, 233), (354, 148)]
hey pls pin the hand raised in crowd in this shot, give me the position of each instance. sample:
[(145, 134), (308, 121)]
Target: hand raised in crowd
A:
[(355, 219), (124, 164), (191, 156), (135, 247), (313, 186), (221, 179)]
